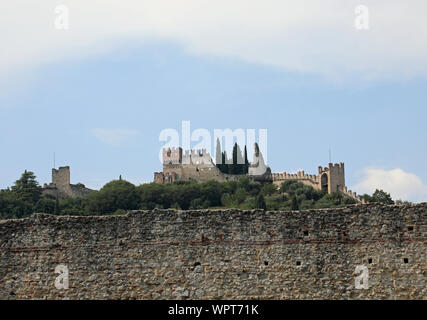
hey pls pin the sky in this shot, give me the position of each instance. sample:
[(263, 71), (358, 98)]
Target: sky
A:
[(99, 93)]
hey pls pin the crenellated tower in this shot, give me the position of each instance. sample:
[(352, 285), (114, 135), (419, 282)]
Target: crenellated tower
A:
[(332, 178), (61, 177)]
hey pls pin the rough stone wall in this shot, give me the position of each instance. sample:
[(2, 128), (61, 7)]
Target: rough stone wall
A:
[(228, 254)]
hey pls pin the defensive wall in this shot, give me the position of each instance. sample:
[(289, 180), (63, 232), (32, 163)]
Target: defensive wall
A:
[(219, 254)]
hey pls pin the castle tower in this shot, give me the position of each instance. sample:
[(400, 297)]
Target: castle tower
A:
[(61, 177), (332, 178), (172, 156)]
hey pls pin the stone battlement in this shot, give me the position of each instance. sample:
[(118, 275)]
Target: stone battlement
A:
[(198, 158), (353, 195), (330, 167), (300, 175)]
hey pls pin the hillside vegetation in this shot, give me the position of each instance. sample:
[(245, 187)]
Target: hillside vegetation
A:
[(118, 196)]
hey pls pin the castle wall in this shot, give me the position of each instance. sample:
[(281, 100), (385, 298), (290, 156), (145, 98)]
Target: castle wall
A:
[(197, 173), (199, 158), (307, 179), (225, 254)]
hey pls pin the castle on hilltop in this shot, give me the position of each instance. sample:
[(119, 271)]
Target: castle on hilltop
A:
[(198, 165), (61, 186)]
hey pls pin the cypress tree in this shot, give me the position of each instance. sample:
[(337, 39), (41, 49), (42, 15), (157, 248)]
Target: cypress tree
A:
[(260, 202), (294, 203), (246, 167), (235, 166)]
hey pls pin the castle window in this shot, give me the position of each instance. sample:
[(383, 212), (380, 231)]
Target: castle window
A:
[(305, 233), (410, 228), (324, 182), (405, 260), (266, 263), (370, 260), (298, 263)]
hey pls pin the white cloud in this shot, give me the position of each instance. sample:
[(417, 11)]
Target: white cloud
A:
[(114, 137), (400, 184), (307, 36)]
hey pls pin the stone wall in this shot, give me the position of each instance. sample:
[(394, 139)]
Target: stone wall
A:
[(307, 179), (224, 254), (172, 173)]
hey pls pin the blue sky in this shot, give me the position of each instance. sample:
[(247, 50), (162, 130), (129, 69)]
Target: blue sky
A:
[(101, 112)]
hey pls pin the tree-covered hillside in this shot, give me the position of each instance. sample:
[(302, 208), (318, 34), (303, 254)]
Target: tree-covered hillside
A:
[(118, 196)]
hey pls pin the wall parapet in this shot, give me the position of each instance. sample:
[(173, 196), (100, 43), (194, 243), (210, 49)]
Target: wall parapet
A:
[(300, 175)]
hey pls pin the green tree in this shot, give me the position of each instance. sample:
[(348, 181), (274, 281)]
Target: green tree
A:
[(45, 205), (11, 206), (240, 195), (294, 205), (184, 194), (260, 202), (268, 189), (211, 191), (27, 188), (238, 164), (154, 194), (117, 194), (226, 200), (382, 197)]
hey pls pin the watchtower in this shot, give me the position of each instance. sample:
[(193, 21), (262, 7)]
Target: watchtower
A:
[(172, 156), (61, 177), (332, 178)]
